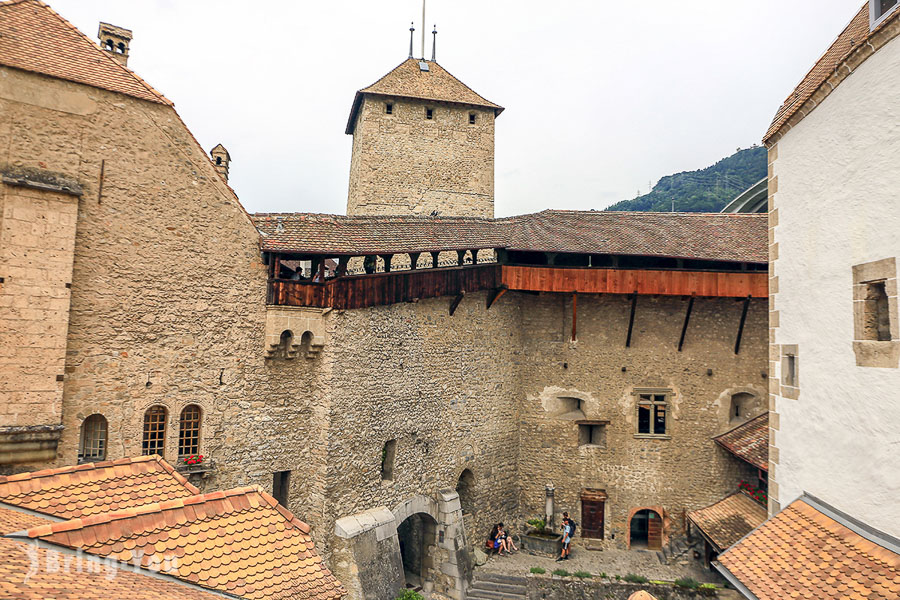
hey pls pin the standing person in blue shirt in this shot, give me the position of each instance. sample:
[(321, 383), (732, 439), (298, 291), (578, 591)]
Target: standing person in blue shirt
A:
[(568, 527)]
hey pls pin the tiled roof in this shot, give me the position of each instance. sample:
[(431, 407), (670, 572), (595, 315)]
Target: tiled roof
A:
[(730, 519), (804, 553), (409, 81), (16, 520), (707, 236), (855, 35), (39, 573), (94, 488), (240, 541), (35, 38), (749, 441)]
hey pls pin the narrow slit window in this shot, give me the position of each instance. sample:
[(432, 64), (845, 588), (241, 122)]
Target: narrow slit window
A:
[(389, 108), (281, 486), (472, 118), (790, 370), (388, 455), (429, 114), (154, 439), (876, 312)]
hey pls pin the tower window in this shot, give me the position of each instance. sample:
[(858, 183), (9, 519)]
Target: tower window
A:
[(651, 414), (472, 118), (389, 108), (92, 446), (429, 113), (189, 431), (218, 160), (388, 455), (877, 324), (154, 439), (281, 487)]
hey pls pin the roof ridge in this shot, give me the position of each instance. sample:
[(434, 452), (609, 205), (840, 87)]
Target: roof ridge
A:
[(105, 464)]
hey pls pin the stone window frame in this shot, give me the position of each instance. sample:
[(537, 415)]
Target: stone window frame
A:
[(875, 353), (790, 371), (667, 393), (93, 439)]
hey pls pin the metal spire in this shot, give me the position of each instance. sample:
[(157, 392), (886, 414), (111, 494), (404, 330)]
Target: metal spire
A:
[(434, 43), (412, 29), (423, 29)]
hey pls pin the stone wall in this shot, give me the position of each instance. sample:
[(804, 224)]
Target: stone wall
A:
[(168, 291), (403, 163), (682, 471), (544, 587)]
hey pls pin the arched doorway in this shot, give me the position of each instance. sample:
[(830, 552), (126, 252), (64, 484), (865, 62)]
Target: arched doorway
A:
[(465, 487), (417, 535), (645, 530)]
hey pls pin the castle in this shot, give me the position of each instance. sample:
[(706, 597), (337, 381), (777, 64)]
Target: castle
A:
[(470, 370)]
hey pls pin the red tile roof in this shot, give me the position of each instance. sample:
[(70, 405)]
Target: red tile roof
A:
[(12, 520), (749, 441), (853, 37), (804, 553), (706, 236), (28, 572), (95, 488), (729, 519), (35, 38), (239, 541), (409, 81)]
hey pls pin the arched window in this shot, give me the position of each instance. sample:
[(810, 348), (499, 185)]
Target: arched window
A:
[(465, 487), (154, 440), (92, 446), (189, 431), (120, 47), (218, 160)]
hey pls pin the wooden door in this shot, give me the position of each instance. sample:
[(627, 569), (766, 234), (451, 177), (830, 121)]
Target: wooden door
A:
[(592, 513), (654, 531)]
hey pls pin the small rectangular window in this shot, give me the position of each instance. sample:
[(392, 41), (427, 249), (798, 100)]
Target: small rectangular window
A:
[(388, 454), (592, 434), (389, 108), (790, 371), (472, 118), (429, 113), (651, 414), (281, 485), (876, 313)]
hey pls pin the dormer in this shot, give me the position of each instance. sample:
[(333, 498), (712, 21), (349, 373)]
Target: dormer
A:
[(221, 159), (115, 40), (879, 11)]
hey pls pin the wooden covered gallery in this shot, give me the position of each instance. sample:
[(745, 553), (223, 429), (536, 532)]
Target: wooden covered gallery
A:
[(356, 262)]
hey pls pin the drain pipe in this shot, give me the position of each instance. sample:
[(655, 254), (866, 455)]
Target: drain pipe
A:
[(548, 506)]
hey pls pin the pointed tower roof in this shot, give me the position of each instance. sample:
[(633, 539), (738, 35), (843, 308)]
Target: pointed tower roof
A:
[(410, 80), (33, 37)]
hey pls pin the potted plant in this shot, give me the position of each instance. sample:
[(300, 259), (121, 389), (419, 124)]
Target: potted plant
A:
[(540, 540)]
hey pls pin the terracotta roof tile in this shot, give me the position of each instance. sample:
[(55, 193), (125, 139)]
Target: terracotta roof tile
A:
[(81, 580), (95, 488), (749, 441), (12, 520), (707, 236), (33, 37), (239, 541), (803, 553), (409, 81), (730, 519), (855, 35)]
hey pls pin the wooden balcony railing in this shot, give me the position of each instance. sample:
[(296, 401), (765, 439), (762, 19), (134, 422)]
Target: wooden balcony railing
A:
[(360, 291)]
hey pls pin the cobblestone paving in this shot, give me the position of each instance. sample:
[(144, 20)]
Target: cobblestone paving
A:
[(611, 562)]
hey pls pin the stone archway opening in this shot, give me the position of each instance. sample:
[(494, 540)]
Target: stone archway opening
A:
[(417, 535), (465, 487), (645, 530)]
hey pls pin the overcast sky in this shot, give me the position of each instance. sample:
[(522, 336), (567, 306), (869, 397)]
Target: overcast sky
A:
[(601, 97)]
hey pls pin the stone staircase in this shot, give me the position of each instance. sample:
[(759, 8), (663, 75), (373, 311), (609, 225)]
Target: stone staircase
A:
[(494, 586), (675, 551)]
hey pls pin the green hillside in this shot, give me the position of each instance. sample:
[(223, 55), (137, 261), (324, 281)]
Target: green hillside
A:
[(706, 190)]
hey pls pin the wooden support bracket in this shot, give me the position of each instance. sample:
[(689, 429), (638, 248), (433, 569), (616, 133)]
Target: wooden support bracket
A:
[(631, 319), (495, 295), (687, 319), (456, 302), (414, 260), (740, 334)]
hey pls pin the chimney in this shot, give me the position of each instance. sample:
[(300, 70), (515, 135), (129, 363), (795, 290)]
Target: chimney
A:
[(115, 40), (221, 159)]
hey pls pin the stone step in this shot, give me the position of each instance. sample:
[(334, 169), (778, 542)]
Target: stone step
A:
[(499, 578), (474, 594), (501, 588)]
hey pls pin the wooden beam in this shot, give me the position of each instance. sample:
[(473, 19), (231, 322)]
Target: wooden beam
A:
[(414, 259), (631, 319), (434, 259), (495, 295), (574, 316), (456, 302), (343, 261), (387, 258), (277, 266), (460, 257), (475, 256), (737, 343), (687, 319)]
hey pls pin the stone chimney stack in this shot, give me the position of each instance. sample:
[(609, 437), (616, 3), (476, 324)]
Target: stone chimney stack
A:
[(115, 40), (221, 159)]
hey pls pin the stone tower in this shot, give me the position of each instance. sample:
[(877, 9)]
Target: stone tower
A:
[(423, 143), (115, 40), (221, 159)]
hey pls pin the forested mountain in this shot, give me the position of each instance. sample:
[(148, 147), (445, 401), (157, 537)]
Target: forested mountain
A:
[(706, 190)]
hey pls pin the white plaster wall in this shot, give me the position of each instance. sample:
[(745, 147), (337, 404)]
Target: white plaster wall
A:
[(838, 201)]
